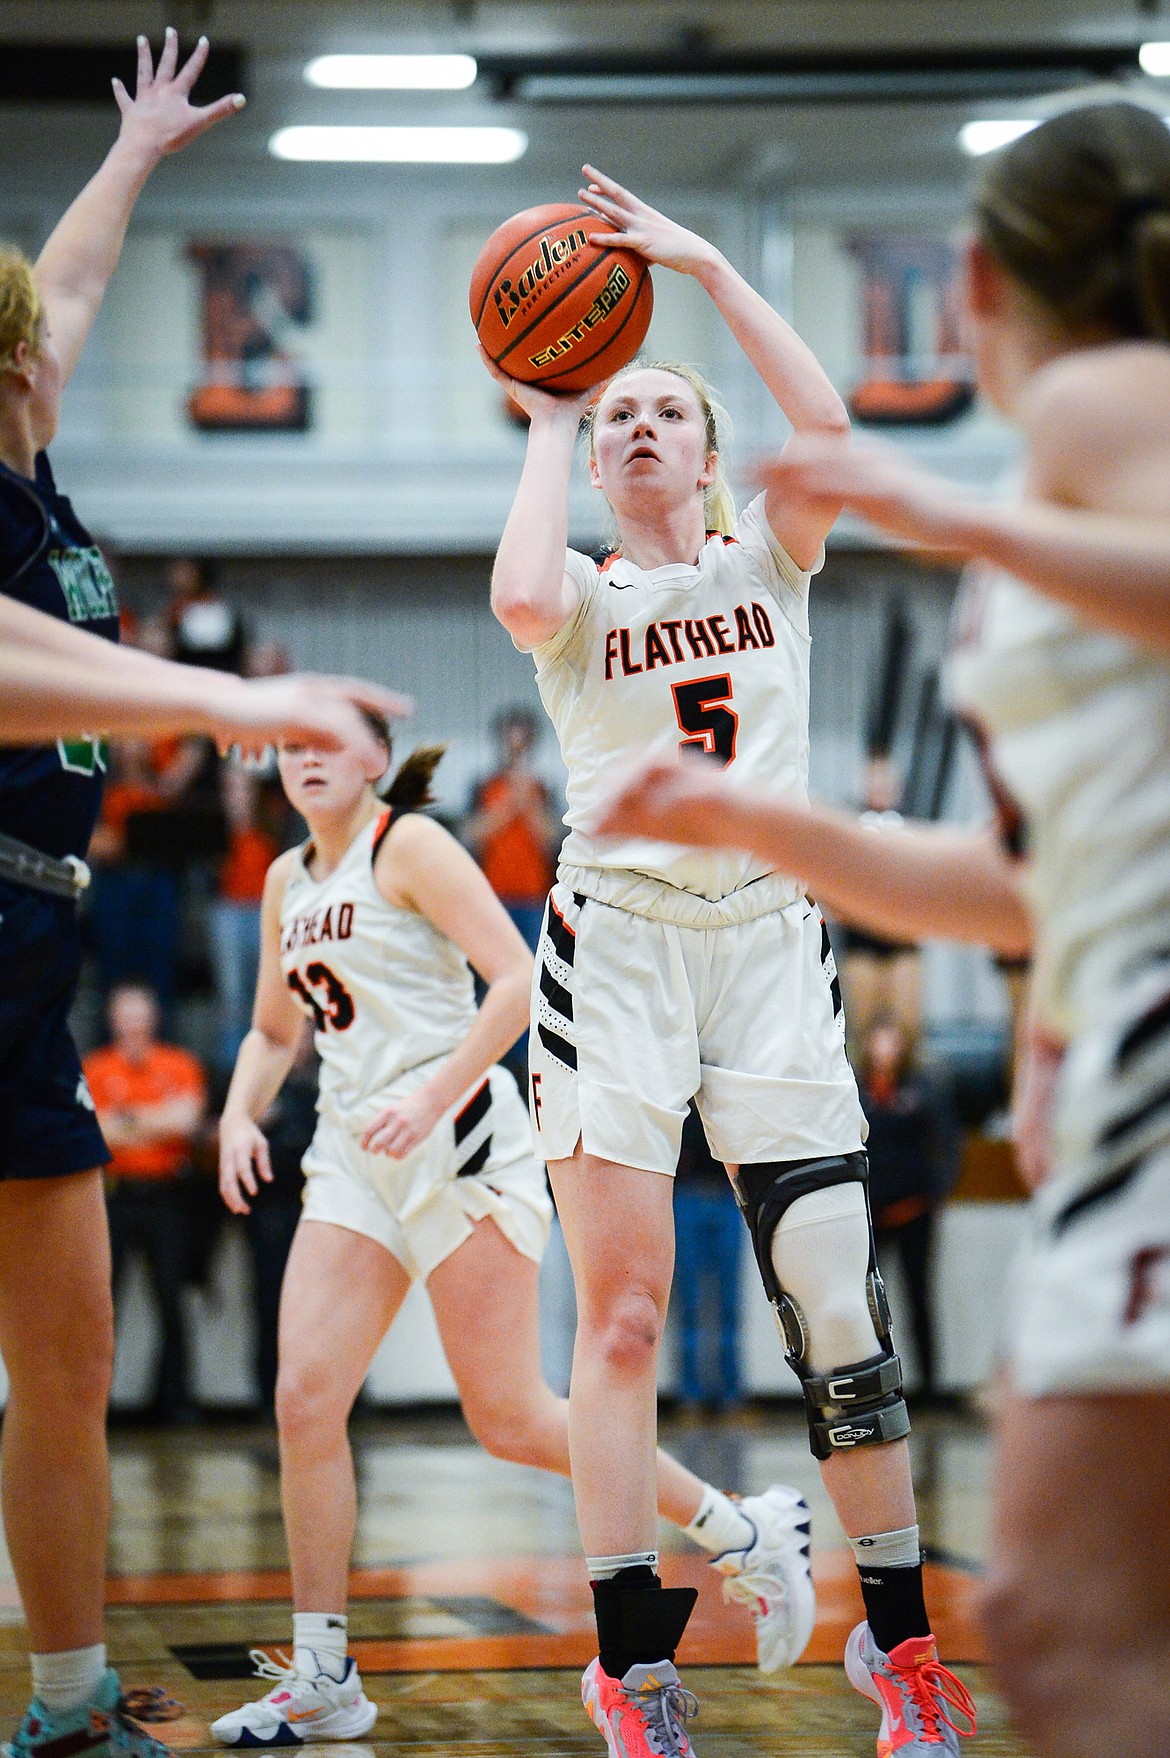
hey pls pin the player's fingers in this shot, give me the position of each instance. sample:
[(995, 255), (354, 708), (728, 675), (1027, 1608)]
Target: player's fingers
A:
[(169, 59), (262, 1160), (193, 66), (145, 70), (607, 186), (210, 114), (363, 694), (121, 96)]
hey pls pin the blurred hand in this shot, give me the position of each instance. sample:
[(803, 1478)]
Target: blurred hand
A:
[(666, 799), (160, 117), (642, 228), (243, 1162), (871, 480), (321, 710), (1039, 1057), (403, 1125)]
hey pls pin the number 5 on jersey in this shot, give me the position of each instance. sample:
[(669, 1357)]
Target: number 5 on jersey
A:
[(698, 707)]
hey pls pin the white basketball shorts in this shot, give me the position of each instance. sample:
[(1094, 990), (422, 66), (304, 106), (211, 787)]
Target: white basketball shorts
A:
[(633, 1016), (1091, 1287), (477, 1163)]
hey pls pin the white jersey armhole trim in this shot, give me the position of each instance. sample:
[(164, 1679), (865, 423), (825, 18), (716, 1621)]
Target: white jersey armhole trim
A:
[(584, 570)]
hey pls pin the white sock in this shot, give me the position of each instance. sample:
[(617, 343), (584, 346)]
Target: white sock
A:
[(320, 1641), (719, 1525), (888, 1550), (69, 1678), (605, 1568)]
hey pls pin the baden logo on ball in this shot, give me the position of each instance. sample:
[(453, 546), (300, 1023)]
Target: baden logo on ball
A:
[(550, 308)]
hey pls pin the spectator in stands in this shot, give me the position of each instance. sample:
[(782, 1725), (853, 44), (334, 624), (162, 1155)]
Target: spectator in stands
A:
[(205, 628), (708, 1236), (134, 902), (253, 845), (511, 827), (150, 1100), (912, 1166)]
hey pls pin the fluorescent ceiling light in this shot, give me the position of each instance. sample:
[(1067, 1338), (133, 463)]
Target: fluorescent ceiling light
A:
[(1155, 59), (401, 146), (986, 137), (393, 73)]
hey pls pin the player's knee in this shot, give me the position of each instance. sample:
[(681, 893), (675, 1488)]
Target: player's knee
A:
[(67, 1368), (508, 1430), (310, 1407), (627, 1331)]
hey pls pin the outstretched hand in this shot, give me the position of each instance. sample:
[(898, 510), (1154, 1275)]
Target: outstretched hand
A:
[(668, 800), (640, 227), (872, 480), (325, 711), (160, 116)]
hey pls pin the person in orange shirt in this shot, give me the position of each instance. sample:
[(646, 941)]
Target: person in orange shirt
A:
[(150, 1099), (512, 829)]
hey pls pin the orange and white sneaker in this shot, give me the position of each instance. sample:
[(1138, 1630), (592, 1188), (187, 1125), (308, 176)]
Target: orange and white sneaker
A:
[(642, 1715), (915, 1693)]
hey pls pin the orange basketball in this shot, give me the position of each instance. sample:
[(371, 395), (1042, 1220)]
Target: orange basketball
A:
[(554, 310)]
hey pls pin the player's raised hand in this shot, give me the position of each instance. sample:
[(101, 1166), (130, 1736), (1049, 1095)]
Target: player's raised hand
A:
[(558, 405), (642, 228), (160, 117), (872, 480)]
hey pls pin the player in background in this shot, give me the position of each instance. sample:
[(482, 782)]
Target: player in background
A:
[(1062, 661), (421, 1168), (56, 1317), (663, 975)]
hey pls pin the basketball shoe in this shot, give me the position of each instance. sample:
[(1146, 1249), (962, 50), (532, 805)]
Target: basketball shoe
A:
[(299, 1710), (914, 1693), (771, 1575), (97, 1729), (642, 1715)]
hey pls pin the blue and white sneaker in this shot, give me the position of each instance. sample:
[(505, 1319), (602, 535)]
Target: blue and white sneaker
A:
[(772, 1577), (299, 1710), (97, 1729)]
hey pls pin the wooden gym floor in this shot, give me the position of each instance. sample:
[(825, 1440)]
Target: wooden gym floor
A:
[(470, 1614)]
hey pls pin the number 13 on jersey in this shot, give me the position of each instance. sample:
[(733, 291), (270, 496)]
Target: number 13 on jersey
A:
[(699, 708)]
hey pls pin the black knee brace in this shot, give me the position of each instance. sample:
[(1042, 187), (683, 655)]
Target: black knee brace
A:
[(860, 1403)]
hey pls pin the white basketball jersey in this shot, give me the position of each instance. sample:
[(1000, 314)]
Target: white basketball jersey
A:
[(385, 990), (710, 657), (1078, 724)]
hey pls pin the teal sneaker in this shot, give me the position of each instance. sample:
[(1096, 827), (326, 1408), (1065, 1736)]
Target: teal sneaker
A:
[(97, 1729)]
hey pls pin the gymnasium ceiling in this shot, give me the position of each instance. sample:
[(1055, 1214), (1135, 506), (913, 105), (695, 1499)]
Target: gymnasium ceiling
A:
[(825, 101)]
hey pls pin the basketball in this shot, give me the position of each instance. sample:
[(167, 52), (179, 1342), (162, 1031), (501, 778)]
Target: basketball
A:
[(554, 310)]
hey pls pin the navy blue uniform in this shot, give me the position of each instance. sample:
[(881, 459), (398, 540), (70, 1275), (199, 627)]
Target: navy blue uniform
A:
[(50, 796)]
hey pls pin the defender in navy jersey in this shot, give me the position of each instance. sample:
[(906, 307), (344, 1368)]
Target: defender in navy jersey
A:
[(56, 1318), (665, 975)]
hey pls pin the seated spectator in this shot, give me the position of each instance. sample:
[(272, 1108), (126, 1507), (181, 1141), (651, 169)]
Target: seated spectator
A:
[(708, 1240), (235, 911), (150, 1100), (511, 827), (912, 1166)]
